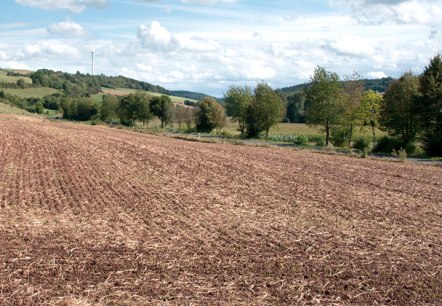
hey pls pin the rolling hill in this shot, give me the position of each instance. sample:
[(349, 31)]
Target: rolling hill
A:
[(379, 85)]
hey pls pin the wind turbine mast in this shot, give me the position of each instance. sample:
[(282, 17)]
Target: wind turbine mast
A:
[(93, 61)]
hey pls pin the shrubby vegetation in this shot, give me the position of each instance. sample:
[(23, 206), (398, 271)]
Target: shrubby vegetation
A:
[(209, 115), (255, 112), (163, 108), (134, 107)]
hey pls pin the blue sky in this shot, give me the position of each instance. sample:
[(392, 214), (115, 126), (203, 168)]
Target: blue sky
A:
[(208, 45)]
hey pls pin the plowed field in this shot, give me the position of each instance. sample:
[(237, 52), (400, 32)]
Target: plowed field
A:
[(100, 216)]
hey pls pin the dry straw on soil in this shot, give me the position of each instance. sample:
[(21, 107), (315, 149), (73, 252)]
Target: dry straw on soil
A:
[(98, 216)]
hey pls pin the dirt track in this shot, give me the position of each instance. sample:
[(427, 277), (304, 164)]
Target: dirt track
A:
[(94, 215)]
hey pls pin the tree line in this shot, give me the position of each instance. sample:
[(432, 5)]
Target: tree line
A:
[(256, 110), (410, 110)]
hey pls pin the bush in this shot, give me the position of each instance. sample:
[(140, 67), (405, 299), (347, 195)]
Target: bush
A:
[(400, 154), (362, 143), (339, 136), (318, 140), (433, 144), (210, 115), (387, 144), (301, 140)]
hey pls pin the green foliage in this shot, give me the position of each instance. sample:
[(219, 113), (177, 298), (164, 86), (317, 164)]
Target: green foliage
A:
[(53, 101), (370, 108), (109, 108), (190, 103), (188, 95), (353, 115), (299, 140), (237, 100), (318, 140), (163, 108), (21, 83), (378, 85), (339, 135), (78, 85), (323, 96), (134, 107), (265, 110), (430, 106), (81, 109), (362, 143), (185, 115), (387, 144), (209, 115), (399, 111), (296, 107), (39, 107)]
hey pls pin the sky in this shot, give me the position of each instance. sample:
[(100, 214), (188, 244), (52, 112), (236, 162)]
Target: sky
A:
[(209, 45)]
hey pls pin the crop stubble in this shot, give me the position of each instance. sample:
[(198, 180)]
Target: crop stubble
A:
[(94, 215)]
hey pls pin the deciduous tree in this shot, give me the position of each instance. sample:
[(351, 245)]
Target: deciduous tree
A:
[(109, 108), (352, 91), (266, 109), (430, 106), (209, 115), (399, 111), (163, 108), (371, 104), (237, 99), (323, 97), (134, 107)]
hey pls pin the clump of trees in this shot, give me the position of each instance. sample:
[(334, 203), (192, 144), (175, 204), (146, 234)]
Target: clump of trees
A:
[(256, 112), (80, 109), (163, 108), (399, 112), (430, 106), (209, 115), (33, 105), (409, 110), (134, 107)]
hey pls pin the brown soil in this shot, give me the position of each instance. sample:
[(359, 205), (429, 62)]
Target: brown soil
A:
[(99, 216)]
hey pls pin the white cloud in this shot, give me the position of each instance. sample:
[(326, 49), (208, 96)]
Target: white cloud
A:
[(376, 75), (72, 5), (13, 65), (49, 48), (348, 45), (66, 28), (3, 56), (423, 12), (158, 38)]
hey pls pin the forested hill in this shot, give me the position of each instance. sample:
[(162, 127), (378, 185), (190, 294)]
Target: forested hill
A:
[(379, 85), (188, 94), (80, 84)]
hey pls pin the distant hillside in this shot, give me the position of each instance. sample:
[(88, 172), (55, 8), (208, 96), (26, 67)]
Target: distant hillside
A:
[(89, 85), (379, 85), (188, 94), (79, 84)]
